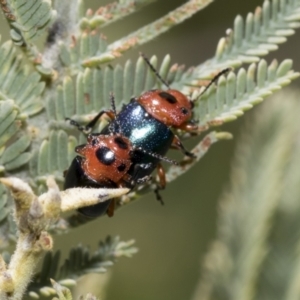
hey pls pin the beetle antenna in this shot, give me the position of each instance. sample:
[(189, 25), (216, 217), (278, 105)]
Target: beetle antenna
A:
[(154, 70), (215, 79), (113, 106), (156, 155)]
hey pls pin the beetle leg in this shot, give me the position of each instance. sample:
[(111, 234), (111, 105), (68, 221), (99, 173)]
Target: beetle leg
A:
[(87, 128), (176, 143), (189, 127), (109, 113), (111, 208), (161, 184), (135, 178)]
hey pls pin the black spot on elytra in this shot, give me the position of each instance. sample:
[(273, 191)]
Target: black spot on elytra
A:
[(170, 98), (105, 156), (121, 167)]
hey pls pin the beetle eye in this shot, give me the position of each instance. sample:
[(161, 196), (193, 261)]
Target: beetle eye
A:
[(105, 156), (170, 98), (121, 143), (184, 110)]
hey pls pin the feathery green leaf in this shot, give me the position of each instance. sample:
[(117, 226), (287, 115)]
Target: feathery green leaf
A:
[(3, 201), (13, 153), (256, 35), (7, 225), (54, 155), (238, 93), (109, 13), (28, 19), (148, 32), (79, 262), (18, 81)]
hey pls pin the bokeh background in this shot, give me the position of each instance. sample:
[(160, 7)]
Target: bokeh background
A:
[(172, 239)]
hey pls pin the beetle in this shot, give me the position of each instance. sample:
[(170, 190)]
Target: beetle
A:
[(105, 161), (149, 122)]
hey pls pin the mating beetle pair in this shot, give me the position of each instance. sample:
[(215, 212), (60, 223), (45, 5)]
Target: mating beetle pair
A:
[(131, 146)]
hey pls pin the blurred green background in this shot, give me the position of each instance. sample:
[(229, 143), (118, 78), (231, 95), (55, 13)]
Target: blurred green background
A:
[(174, 238)]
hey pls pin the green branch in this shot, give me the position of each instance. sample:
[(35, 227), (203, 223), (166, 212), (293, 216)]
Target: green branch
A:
[(148, 32)]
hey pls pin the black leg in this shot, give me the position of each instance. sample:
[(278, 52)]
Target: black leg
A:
[(161, 185), (136, 179), (178, 145), (158, 195), (87, 128)]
